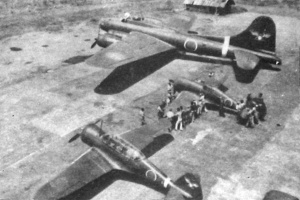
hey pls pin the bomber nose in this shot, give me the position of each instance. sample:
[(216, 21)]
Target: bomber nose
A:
[(103, 25)]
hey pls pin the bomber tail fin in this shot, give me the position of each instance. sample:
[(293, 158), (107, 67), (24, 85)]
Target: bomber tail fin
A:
[(191, 184), (259, 36)]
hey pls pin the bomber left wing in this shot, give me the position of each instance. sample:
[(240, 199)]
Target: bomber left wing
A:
[(89, 166), (135, 46)]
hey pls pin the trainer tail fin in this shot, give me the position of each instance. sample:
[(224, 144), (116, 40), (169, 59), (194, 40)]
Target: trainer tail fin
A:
[(191, 184), (259, 36)]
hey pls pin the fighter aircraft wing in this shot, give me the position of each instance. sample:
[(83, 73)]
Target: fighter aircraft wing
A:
[(142, 137), (134, 47), (89, 166)]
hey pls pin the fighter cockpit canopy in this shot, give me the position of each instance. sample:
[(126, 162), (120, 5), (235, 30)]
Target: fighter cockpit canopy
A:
[(123, 147)]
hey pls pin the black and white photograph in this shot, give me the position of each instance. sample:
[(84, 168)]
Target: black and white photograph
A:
[(149, 100)]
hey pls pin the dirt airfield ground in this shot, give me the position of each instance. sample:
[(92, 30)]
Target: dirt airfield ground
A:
[(43, 99)]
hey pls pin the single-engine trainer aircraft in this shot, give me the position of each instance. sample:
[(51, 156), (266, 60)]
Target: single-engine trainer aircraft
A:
[(212, 94), (123, 153), (127, 42)]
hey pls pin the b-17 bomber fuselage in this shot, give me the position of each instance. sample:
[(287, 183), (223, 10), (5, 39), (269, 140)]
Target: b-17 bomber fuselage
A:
[(193, 44)]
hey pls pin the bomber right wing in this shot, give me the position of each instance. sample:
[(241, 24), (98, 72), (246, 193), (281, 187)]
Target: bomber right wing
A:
[(89, 166)]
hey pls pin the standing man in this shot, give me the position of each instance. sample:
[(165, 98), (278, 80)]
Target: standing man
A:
[(170, 116), (221, 108), (262, 108), (251, 120), (170, 89), (202, 103), (193, 109), (240, 105), (179, 119), (160, 111), (142, 116)]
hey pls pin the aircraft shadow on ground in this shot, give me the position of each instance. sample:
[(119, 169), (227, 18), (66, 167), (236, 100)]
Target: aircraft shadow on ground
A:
[(76, 59), (158, 143), (93, 188), (248, 76), (126, 75), (241, 75)]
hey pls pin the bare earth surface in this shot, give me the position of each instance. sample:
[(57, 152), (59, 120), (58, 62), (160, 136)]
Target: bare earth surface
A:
[(43, 99)]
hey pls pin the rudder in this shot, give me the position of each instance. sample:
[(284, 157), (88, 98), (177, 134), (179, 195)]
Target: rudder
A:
[(191, 184), (259, 36)]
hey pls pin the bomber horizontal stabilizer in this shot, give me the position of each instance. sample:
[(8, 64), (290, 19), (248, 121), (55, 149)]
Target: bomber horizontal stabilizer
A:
[(246, 60)]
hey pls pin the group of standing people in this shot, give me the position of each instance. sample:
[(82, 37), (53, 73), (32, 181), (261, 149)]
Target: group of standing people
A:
[(181, 117), (252, 110)]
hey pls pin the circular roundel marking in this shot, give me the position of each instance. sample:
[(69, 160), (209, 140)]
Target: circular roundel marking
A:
[(190, 45), (151, 174)]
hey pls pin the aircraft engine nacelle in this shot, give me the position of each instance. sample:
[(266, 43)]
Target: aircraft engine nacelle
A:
[(91, 134), (107, 39), (229, 103)]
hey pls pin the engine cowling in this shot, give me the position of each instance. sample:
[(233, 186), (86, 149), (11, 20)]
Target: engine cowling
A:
[(107, 40), (91, 133)]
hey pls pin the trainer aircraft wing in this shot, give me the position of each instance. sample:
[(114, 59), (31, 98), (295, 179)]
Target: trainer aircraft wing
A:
[(89, 166), (149, 138), (135, 46)]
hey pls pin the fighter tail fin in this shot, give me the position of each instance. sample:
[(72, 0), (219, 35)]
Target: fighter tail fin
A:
[(259, 36), (191, 184)]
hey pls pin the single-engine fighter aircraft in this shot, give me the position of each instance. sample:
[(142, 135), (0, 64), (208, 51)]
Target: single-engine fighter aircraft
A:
[(127, 42), (212, 94), (109, 153)]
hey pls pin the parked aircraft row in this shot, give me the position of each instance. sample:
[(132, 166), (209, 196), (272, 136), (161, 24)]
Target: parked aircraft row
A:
[(127, 42)]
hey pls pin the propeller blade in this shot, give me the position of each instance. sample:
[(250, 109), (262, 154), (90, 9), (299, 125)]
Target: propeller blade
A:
[(99, 120), (246, 60), (94, 44), (75, 137)]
